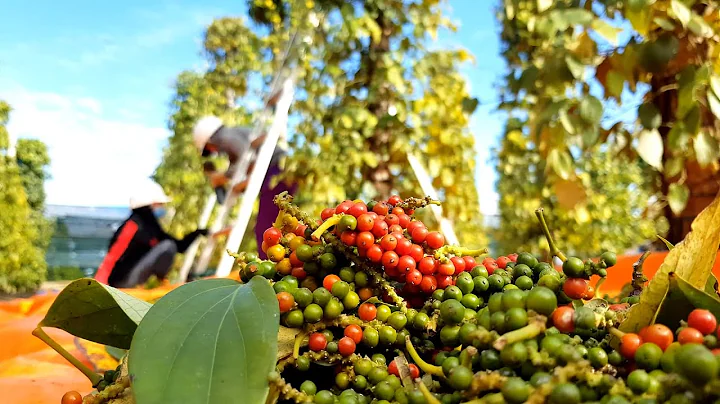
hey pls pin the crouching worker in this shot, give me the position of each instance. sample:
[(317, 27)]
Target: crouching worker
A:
[(140, 248)]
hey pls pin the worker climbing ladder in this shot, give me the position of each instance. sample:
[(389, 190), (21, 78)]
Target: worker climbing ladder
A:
[(261, 161)]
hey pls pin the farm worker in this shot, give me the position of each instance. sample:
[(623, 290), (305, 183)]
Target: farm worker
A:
[(211, 136), (140, 247)]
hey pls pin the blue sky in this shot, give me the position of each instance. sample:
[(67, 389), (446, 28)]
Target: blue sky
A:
[(93, 81)]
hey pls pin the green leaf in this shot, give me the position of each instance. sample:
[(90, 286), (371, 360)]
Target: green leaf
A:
[(543, 5), (208, 341), (650, 148), (576, 16), (682, 298), (699, 27), (678, 137), (649, 116), (116, 353), (668, 244), (692, 259), (678, 195), (615, 83), (469, 104), (605, 30), (681, 12), (674, 166), (715, 84), (692, 120), (711, 287), (591, 109), (714, 104), (664, 23), (706, 147), (566, 121), (576, 68), (96, 312), (561, 162)]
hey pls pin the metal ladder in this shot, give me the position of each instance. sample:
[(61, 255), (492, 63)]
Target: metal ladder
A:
[(257, 177)]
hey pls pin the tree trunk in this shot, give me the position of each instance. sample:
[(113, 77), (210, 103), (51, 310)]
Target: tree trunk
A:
[(703, 183), (379, 104)]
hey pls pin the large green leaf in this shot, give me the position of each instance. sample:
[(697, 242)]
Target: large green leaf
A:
[(96, 312), (692, 260), (681, 299), (209, 341)]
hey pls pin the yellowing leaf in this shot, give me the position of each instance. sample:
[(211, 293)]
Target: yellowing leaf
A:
[(569, 193), (681, 12), (605, 30), (286, 341), (650, 148), (543, 5), (640, 20), (678, 195), (692, 259)]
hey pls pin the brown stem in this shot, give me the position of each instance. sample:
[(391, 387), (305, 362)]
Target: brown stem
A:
[(638, 278)]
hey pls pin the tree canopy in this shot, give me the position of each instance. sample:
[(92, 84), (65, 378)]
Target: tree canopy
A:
[(369, 90), (22, 261), (33, 160), (573, 75)]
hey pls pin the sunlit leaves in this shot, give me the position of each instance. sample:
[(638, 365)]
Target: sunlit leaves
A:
[(360, 107), (706, 147), (678, 195), (22, 261)]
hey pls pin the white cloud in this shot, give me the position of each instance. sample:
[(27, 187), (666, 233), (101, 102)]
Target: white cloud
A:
[(94, 159)]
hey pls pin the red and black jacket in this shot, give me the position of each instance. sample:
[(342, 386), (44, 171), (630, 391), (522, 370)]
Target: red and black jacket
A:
[(132, 240)]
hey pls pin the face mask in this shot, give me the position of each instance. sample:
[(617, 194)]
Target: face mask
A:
[(159, 212)]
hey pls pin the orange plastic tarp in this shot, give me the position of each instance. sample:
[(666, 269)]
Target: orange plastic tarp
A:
[(32, 373)]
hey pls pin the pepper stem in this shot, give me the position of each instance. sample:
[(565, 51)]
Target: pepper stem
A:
[(424, 366), (94, 378), (279, 220), (298, 343), (615, 332), (429, 398), (532, 330), (597, 287), (459, 251), (543, 224), (326, 225)]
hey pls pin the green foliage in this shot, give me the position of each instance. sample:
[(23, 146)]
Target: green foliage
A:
[(556, 51), (368, 91), (588, 214), (64, 273), (222, 336), (180, 171), (22, 263), (32, 159), (111, 319)]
